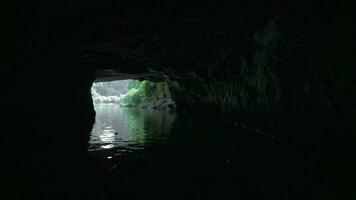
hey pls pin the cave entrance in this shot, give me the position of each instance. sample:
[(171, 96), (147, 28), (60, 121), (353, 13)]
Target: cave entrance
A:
[(128, 114), (133, 93)]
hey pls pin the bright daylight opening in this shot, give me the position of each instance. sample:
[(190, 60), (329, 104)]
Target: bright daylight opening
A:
[(127, 111), (133, 93)]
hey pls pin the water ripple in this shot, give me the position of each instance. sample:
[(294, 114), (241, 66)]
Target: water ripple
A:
[(123, 130)]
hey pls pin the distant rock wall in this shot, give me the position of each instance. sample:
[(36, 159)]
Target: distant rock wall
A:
[(151, 95), (109, 92)]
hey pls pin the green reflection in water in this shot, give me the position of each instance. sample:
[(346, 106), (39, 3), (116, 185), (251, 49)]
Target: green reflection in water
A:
[(129, 127)]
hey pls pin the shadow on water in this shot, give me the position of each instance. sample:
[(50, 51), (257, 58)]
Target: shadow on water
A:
[(148, 154)]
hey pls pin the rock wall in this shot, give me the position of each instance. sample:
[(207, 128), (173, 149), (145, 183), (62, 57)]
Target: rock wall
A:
[(49, 117), (274, 83)]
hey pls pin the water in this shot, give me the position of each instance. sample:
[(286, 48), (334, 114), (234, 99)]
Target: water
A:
[(119, 130), (159, 154)]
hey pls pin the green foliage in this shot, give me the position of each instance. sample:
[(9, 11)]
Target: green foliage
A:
[(145, 92), (133, 96), (133, 84), (145, 88)]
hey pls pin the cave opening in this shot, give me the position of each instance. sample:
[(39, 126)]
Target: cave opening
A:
[(127, 113), (133, 93)]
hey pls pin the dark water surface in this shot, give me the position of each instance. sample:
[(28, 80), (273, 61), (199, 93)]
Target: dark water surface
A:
[(148, 154), (119, 130)]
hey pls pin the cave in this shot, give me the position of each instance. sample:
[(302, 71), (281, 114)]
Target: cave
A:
[(126, 110), (228, 100)]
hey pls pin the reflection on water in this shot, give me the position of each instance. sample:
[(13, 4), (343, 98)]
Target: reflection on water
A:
[(143, 150), (123, 129)]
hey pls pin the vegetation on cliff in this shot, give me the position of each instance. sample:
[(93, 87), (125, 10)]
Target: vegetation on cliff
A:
[(146, 94)]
